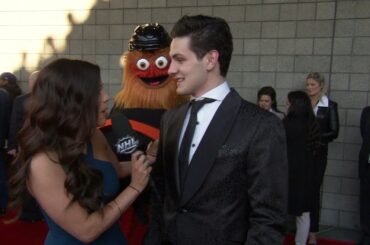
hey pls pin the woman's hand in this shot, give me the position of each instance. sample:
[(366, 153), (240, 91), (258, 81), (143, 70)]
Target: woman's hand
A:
[(140, 172)]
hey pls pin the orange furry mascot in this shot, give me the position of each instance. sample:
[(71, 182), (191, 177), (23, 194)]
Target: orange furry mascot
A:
[(147, 92), (146, 82)]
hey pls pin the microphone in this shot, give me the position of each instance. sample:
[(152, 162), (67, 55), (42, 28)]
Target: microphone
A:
[(122, 138), (124, 141)]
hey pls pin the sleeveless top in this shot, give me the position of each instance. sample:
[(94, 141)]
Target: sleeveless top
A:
[(113, 235)]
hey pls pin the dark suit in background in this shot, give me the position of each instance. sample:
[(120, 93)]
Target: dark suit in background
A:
[(5, 105), (31, 211), (364, 174), (16, 120)]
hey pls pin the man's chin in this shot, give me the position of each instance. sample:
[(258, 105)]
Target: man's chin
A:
[(181, 91)]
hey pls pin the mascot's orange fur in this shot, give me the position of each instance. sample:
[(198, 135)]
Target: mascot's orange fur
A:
[(146, 83), (151, 88)]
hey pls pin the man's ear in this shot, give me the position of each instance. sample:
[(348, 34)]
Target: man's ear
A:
[(212, 59)]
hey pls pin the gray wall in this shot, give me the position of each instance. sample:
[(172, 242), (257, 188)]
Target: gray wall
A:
[(277, 42)]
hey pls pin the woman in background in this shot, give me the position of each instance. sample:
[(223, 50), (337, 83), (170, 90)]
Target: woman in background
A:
[(65, 163), (266, 99), (327, 116), (303, 135)]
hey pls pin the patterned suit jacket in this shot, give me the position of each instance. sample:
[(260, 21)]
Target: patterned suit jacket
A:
[(237, 182)]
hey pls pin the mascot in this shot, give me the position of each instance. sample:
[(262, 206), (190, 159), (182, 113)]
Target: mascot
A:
[(147, 92)]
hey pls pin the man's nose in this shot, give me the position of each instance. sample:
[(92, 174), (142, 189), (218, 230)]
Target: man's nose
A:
[(171, 69)]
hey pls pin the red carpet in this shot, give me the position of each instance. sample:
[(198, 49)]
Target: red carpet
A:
[(289, 240), (21, 233)]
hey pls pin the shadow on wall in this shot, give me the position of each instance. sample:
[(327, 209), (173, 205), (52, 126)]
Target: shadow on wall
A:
[(72, 44)]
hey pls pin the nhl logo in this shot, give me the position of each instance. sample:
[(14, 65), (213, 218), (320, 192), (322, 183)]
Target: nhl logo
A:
[(126, 145)]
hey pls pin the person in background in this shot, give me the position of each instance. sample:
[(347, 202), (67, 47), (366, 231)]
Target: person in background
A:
[(364, 174), (303, 136), (4, 125), (31, 211), (326, 112), (18, 114), (221, 169), (266, 99), (65, 162), (9, 82)]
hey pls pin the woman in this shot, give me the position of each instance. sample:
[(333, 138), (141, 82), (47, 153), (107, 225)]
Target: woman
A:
[(66, 164), (266, 99), (303, 135), (327, 116)]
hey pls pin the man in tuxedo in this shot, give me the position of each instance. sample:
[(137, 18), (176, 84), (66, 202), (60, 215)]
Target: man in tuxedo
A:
[(364, 174), (224, 182)]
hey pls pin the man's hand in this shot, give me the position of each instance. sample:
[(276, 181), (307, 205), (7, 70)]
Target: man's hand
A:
[(151, 152)]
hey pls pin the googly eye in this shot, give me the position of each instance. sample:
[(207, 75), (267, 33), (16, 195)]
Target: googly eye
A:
[(161, 62), (142, 64)]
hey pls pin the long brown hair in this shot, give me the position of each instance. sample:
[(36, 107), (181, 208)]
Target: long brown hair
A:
[(61, 117), (300, 107)]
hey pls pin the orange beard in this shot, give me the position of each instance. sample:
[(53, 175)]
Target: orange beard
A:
[(136, 94)]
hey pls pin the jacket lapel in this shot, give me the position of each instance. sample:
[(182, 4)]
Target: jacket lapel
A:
[(174, 131), (211, 142)]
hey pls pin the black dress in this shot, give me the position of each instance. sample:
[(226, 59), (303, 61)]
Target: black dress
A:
[(300, 159)]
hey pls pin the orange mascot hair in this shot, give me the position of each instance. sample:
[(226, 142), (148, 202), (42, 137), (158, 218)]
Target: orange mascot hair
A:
[(135, 93)]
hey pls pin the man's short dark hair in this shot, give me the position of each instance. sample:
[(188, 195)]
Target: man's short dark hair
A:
[(207, 33)]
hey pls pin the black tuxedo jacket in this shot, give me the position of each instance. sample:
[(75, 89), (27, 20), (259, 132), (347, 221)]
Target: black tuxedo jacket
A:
[(236, 187), (365, 147)]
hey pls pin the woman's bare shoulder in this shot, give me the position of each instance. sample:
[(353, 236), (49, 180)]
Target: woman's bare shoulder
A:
[(44, 160), (45, 168), (45, 174)]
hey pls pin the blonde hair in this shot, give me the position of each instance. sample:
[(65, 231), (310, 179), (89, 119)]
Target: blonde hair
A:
[(319, 78)]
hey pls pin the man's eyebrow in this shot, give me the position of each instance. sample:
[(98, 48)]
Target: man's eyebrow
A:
[(176, 55)]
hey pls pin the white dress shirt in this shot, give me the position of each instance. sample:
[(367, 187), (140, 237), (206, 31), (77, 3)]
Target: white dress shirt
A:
[(323, 102), (205, 115)]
